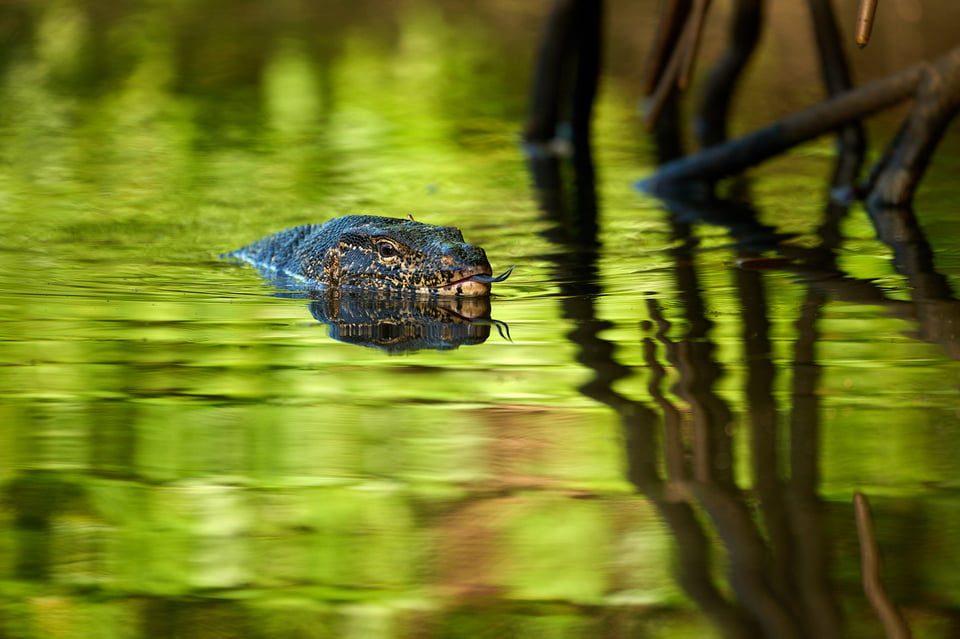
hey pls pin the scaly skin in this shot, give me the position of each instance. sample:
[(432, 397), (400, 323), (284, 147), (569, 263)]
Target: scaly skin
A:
[(376, 253)]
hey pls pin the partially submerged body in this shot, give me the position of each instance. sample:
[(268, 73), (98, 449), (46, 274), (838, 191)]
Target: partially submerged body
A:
[(375, 253)]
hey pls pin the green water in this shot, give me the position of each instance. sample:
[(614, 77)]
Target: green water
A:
[(185, 453)]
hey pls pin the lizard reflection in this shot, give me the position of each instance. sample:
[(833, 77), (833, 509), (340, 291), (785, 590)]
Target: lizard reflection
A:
[(404, 324)]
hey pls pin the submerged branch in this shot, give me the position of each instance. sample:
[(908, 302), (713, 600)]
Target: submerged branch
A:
[(734, 156)]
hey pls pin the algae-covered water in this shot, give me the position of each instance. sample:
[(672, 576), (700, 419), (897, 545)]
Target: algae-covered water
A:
[(642, 439)]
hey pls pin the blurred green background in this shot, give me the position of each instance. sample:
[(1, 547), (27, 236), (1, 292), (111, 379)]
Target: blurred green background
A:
[(185, 454)]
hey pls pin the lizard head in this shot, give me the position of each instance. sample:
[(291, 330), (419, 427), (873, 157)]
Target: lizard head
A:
[(396, 254)]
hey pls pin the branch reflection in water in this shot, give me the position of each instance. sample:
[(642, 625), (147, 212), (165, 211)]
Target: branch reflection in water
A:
[(679, 441)]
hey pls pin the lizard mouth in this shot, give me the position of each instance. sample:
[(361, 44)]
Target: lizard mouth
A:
[(474, 284)]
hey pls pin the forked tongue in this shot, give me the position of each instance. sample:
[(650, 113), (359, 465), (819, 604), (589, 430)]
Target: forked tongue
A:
[(490, 279)]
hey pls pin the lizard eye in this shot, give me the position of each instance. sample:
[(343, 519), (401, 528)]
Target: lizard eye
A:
[(387, 250)]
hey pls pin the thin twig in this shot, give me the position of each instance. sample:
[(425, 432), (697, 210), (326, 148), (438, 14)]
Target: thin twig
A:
[(865, 14), (669, 79), (691, 44), (894, 626), (670, 16)]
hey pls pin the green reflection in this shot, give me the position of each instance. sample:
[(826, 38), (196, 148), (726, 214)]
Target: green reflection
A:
[(185, 454)]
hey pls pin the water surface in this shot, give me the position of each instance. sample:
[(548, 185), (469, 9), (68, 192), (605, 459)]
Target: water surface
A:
[(666, 445)]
